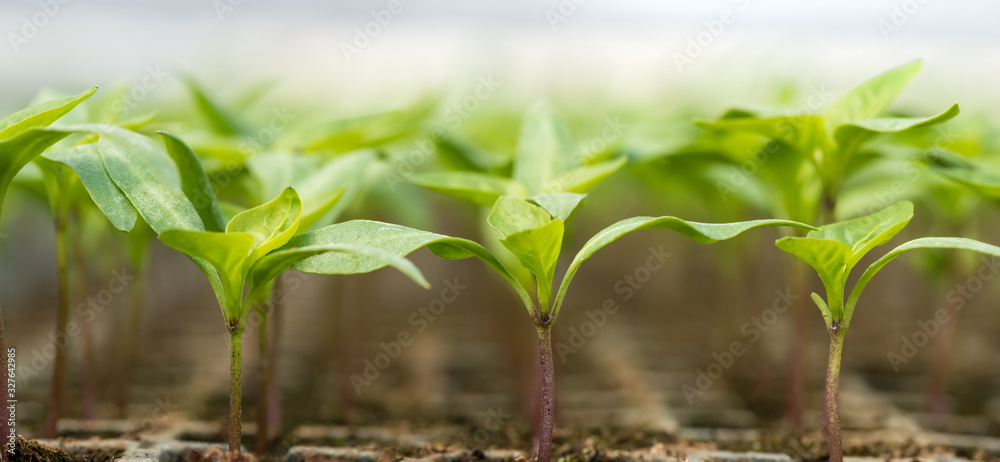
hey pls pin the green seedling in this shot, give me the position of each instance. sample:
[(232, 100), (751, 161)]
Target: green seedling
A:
[(244, 258), (811, 153), (532, 230), (24, 135), (833, 252)]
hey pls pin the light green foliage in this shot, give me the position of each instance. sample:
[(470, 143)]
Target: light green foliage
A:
[(836, 249), (25, 134), (242, 257), (545, 161), (826, 143)]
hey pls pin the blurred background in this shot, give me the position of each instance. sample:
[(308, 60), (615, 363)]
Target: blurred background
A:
[(645, 69)]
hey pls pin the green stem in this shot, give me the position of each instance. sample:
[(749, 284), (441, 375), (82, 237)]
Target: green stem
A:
[(235, 389), (832, 404), (131, 335), (796, 376), (547, 371), (62, 319), (263, 378)]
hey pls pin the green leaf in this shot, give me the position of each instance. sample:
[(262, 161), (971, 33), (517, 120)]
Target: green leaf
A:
[(317, 213), (17, 151), (395, 239), (804, 133), (227, 255), (559, 205), (836, 248), (823, 309), (583, 178), (40, 115), (922, 243), (160, 206), (194, 182), (147, 153), (850, 137), (59, 180), (271, 224), (479, 188), (275, 263), (871, 98), (85, 160), (702, 233), (975, 176), (221, 121), (512, 215), (544, 150)]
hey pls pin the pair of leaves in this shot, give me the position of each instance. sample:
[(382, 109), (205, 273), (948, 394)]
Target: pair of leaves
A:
[(533, 233), (401, 241), (834, 250), (244, 256), (545, 161)]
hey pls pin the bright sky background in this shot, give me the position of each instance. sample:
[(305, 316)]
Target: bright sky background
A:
[(621, 49)]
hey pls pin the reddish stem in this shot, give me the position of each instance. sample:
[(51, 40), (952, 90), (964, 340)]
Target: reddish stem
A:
[(548, 388)]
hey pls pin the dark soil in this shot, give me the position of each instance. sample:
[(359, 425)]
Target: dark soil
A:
[(32, 451)]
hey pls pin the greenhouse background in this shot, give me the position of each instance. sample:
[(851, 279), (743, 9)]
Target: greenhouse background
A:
[(666, 347)]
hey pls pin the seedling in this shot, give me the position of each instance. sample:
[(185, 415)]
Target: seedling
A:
[(833, 252), (532, 229), (23, 136), (818, 149), (243, 258)]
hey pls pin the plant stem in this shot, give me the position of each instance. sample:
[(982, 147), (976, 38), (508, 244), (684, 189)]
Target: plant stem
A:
[(263, 379), (832, 404), (131, 335), (547, 371), (62, 318), (83, 287), (235, 389), (277, 322)]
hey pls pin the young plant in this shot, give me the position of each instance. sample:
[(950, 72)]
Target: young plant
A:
[(833, 251), (23, 136), (817, 150), (244, 258), (532, 229)]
